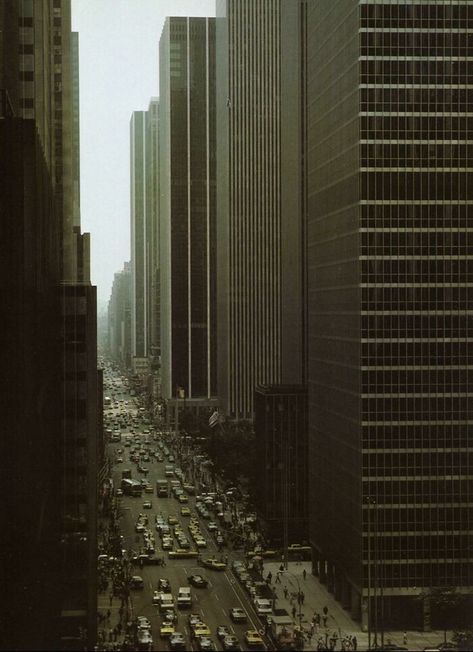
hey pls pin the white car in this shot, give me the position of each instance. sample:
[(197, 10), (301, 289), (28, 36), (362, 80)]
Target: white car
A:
[(262, 606), (143, 623)]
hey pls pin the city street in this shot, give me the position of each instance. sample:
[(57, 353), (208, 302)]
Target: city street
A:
[(224, 591)]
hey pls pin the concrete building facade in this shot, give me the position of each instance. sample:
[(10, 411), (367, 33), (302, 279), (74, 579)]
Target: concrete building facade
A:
[(261, 199), (187, 208), (119, 318), (139, 305), (389, 199)]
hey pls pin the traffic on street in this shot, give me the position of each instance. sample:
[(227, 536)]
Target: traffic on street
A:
[(180, 560)]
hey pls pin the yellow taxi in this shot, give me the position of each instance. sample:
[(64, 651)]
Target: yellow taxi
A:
[(185, 511), (172, 520), (214, 564), (182, 553), (200, 629), (166, 630), (253, 639)]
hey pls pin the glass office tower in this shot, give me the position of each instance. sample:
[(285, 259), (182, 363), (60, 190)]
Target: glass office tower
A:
[(390, 249)]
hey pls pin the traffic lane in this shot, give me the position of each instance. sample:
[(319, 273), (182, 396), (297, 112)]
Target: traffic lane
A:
[(225, 591), (217, 601)]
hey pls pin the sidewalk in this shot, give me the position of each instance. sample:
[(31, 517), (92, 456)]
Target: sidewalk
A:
[(316, 597)]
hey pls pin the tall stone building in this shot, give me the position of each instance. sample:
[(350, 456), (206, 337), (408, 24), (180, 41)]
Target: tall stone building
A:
[(119, 318), (261, 198), (139, 305), (389, 249), (187, 210)]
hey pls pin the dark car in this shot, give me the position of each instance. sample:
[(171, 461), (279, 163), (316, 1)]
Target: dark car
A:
[(222, 632), (205, 644), (198, 581), (231, 643), (238, 615), (164, 585), (177, 641)]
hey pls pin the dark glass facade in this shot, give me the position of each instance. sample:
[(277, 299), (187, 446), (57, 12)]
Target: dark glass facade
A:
[(389, 298), (282, 450)]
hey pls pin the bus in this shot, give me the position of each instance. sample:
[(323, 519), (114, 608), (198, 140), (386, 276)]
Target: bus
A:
[(131, 487), (162, 490)]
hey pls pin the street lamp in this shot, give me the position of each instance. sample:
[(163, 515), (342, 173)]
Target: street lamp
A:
[(370, 503)]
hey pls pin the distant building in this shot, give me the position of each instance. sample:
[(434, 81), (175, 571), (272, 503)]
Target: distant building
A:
[(261, 199), (187, 210), (119, 318), (139, 305), (281, 430), (389, 254)]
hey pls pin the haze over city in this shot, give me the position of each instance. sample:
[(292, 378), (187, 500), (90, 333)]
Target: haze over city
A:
[(236, 326)]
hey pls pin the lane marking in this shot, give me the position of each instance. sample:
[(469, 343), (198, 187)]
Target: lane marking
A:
[(246, 610)]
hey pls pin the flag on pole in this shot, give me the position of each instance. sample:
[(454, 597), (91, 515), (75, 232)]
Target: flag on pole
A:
[(214, 419)]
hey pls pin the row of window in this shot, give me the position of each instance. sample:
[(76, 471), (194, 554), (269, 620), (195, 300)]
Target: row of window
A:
[(432, 242), (434, 186), (408, 379), (375, 350), (433, 124), (450, 269), (433, 490), (444, 12), (412, 43), (416, 155), (419, 434), (426, 574), (406, 97), (410, 408)]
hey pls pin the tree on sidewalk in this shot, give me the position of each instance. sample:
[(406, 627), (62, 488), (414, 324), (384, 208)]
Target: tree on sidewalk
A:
[(444, 607)]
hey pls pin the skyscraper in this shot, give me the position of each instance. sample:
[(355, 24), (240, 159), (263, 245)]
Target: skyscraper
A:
[(187, 208), (119, 318), (49, 360), (260, 205), (389, 199), (139, 322), (152, 244)]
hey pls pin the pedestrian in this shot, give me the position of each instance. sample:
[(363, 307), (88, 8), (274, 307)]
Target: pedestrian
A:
[(304, 573), (354, 642), (294, 612), (269, 577), (111, 598), (404, 638), (302, 597), (278, 578), (324, 620), (109, 613), (285, 591), (281, 568)]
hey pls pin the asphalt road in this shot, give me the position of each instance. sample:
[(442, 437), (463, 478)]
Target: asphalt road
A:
[(224, 590)]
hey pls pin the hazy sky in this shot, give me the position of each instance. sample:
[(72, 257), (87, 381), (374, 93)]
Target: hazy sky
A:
[(118, 44)]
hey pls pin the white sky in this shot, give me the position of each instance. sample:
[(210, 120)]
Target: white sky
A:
[(118, 45)]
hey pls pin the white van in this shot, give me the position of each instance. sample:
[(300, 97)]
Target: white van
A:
[(262, 606), (166, 601), (184, 598)]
